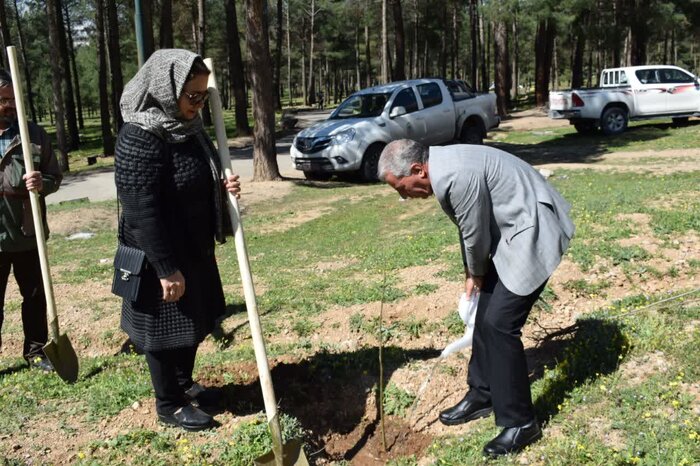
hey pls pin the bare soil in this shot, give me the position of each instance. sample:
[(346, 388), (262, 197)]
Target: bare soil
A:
[(341, 410)]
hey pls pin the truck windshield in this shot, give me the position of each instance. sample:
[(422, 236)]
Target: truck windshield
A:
[(361, 106)]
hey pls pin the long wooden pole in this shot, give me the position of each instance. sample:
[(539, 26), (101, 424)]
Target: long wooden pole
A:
[(33, 195), (244, 266)]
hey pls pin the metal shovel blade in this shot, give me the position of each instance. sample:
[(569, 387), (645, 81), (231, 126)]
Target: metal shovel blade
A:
[(292, 455), (63, 358)]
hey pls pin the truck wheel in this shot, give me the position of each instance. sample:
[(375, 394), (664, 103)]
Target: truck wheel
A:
[(614, 121), (680, 121), (585, 127), (370, 162), (317, 176), (471, 135)]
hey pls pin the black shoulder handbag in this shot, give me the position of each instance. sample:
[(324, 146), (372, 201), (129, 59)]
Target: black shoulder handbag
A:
[(129, 264)]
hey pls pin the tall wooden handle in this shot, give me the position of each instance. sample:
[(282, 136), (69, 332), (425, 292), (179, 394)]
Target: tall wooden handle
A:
[(242, 252), (33, 195)]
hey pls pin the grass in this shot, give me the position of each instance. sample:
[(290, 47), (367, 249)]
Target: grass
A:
[(594, 414), (644, 135)]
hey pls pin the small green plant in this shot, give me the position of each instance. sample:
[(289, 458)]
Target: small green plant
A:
[(253, 439), (357, 322), (304, 327), (413, 326), (397, 400), (425, 288), (584, 288)]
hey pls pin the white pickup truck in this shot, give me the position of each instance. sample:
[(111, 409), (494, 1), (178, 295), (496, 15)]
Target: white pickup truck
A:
[(630, 93), (432, 111)]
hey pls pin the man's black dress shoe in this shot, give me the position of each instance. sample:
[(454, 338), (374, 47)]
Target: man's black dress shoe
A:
[(465, 411), (189, 418), (40, 362), (514, 439)]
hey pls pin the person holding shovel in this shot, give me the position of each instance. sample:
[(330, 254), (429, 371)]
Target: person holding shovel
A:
[(514, 228), (171, 188), (18, 247)]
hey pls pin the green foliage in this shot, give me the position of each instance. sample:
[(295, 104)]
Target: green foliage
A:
[(304, 327), (425, 288), (253, 439), (397, 401)]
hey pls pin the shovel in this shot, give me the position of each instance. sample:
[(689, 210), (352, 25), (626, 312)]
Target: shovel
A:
[(58, 349), (289, 454)]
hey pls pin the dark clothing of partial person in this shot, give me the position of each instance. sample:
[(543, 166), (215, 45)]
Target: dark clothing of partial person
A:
[(18, 247), (167, 193), (514, 228), (169, 183)]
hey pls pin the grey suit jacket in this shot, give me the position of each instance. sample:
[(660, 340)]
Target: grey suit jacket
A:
[(505, 210)]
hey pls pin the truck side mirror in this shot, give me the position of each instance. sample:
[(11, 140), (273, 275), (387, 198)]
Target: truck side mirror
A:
[(397, 111)]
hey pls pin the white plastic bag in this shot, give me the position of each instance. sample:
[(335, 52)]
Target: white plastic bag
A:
[(467, 311)]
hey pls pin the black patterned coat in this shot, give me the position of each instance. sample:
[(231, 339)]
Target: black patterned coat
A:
[(172, 202)]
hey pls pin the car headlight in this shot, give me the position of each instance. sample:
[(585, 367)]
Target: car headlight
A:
[(343, 136)]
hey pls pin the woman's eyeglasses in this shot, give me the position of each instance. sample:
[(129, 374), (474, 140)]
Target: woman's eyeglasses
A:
[(197, 97)]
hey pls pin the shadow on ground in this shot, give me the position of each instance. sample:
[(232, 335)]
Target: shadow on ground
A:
[(578, 148), (328, 393)]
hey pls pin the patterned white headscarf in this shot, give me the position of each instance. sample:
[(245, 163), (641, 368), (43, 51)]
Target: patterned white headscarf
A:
[(150, 98)]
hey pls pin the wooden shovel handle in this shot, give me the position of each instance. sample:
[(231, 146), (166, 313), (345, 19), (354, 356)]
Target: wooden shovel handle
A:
[(242, 253), (33, 195)]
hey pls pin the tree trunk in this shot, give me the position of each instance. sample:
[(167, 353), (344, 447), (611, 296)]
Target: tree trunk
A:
[(107, 138), (358, 64), (71, 120), (166, 24), (483, 41), (202, 50), (235, 64), (473, 29), (579, 48), (454, 50), (514, 66), (639, 33), (5, 33), (544, 44), (278, 58), (264, 156), (311, 93), (289, 60), (148, 37), (115, 62), (414, 68), (385, 45), (443, 43), (74, 68), (54, 58), (500, 61), (368, 55), (27, 74), (400, 65)]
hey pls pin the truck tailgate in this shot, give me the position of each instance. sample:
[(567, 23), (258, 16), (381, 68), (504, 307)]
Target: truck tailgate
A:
[(559, 100)]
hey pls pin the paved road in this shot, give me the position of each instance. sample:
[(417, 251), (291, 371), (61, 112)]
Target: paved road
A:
[(98, 185)]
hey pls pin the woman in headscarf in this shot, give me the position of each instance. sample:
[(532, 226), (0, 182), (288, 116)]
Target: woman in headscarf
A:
[(171, 188)]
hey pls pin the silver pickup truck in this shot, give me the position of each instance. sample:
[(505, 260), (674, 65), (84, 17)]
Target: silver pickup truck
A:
[(432, 111), (629, 93)]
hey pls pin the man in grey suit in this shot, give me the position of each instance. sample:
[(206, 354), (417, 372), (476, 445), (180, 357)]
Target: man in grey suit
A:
[(514, 228)]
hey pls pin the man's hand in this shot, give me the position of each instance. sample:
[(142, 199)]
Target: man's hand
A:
[(173, 287), (473, 285), (34, 181)]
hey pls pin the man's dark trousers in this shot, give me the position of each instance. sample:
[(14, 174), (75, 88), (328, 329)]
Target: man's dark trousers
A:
[(27, 272), (498, 368)]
